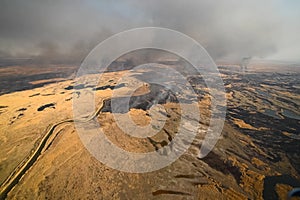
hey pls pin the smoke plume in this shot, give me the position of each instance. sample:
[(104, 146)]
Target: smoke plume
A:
[(65, 31)]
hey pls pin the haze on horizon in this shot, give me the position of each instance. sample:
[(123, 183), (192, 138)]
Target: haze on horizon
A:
[(65, 31)]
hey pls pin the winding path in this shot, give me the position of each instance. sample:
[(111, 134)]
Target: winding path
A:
[(21, 169)]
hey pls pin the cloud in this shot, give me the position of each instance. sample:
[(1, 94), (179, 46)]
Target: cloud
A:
[(65, 31), (232, 29)]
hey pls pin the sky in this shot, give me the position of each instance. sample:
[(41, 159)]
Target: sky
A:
[(66, 30)]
